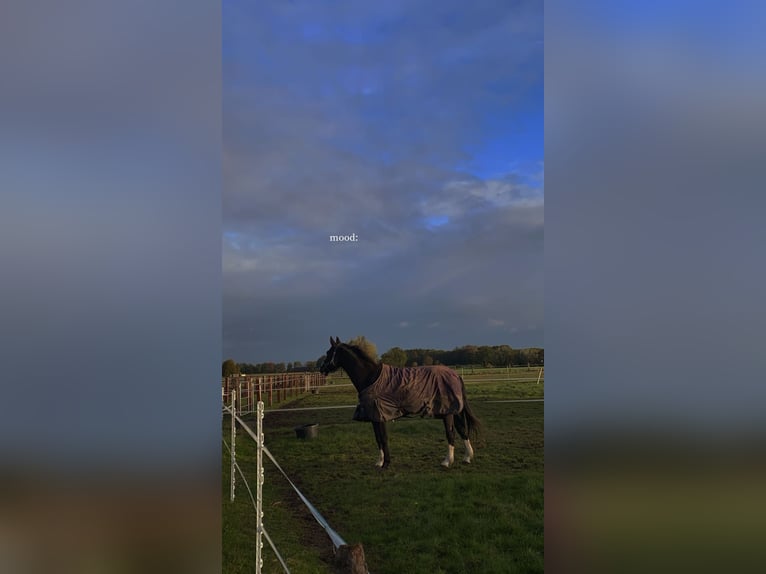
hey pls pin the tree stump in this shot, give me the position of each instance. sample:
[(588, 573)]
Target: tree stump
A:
[(350, 559)]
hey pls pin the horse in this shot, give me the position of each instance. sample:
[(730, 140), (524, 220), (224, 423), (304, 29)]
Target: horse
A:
[(387, 393)]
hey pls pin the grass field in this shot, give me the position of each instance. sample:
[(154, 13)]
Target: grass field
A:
[(415, 517)]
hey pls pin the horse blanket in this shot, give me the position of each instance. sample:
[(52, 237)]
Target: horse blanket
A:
[(400, 391)]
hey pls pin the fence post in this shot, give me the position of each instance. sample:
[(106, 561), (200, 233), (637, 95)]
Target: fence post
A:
[(540, 374), (259, 492), (233, 441)]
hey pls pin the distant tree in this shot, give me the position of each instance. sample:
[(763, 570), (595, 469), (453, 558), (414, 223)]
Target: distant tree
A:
[(414, 364), (279, 368), (289, 366), (367, 346), (229, 368), (466, 355), (428, 360), (504, 355), (449, 357), (250, 369), (395, 357)]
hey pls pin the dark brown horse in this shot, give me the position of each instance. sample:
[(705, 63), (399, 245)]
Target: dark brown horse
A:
[(387, 393)]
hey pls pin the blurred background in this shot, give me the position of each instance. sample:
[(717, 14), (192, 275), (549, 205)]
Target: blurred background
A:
[(110, 308), (654, 424)]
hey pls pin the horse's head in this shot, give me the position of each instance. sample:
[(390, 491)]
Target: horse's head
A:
[(330, 363)]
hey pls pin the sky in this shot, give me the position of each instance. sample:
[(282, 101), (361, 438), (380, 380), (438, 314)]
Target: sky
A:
[(416, 125)]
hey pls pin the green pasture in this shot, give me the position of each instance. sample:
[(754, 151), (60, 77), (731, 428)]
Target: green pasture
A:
[(415, 517)]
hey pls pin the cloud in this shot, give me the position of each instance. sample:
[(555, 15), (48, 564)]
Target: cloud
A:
[(360, 119)]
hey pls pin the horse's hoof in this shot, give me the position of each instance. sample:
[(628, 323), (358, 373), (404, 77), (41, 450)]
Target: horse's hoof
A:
[(467, 460), (446, 463)]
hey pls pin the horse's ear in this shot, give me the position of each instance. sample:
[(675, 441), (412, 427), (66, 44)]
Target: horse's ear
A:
[(337, 340), (332, 343)]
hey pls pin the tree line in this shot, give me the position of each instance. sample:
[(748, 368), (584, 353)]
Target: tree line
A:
[(477, 355), (467, 355)]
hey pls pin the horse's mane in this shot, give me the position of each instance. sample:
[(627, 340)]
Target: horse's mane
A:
[(360, 354)]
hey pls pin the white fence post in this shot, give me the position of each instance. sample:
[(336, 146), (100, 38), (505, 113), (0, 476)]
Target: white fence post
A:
[(233, 440), (540, 374), (259, 492)]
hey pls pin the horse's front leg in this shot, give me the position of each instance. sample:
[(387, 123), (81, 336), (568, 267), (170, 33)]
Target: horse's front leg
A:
[(381, 437)]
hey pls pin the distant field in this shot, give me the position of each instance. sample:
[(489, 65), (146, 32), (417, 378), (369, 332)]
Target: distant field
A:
[(416, 517)]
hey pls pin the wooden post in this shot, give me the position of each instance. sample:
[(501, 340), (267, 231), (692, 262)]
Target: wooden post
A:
[(350, 558)]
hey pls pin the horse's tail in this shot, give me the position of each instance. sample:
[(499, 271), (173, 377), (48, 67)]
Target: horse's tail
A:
[(471, 422)]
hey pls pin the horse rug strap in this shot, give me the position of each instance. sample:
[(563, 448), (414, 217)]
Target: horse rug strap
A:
[(400, 391)]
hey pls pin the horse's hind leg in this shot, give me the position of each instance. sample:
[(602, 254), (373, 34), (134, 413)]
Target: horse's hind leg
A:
[(381, 437), (449, 429), (462, 429)]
